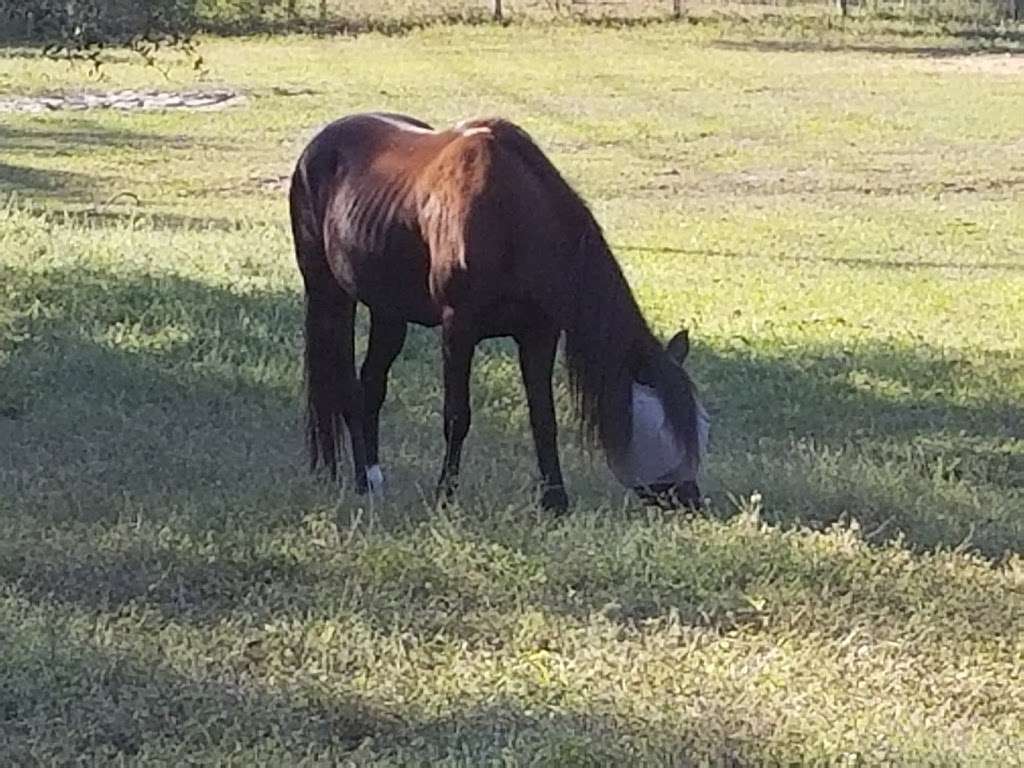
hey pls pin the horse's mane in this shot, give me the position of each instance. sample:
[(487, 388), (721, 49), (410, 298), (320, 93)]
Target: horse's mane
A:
[(607, 340)]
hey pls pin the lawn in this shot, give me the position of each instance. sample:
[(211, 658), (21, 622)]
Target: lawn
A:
[(837, 215)]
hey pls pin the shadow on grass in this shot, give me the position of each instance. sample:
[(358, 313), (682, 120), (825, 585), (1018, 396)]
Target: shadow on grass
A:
[(65, 700), (203, 394), (124, 210), (69, 698), (159, 399), (58, 138), (150, 470), (130, 421), (74, 694), (469, 581), (717, 734), (23, 144), (968, 45), (601, 736), (867, 33), (846, 261), (67, 186)]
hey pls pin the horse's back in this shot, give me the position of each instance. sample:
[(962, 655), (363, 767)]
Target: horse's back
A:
[(506, 238), (356, 180), (414, 219)]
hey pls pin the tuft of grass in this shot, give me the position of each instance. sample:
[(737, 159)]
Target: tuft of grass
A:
[(837, 216)]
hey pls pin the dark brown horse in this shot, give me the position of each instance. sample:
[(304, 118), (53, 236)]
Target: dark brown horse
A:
[(472, 229)]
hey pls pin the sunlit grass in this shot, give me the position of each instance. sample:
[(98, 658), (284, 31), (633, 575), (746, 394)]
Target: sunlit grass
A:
[(842, 231)]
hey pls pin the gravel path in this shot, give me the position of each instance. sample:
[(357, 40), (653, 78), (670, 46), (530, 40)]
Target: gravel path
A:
[(128, 99)]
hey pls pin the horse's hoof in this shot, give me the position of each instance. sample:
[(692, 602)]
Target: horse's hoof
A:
[(555, 500), (685, 497), (691, 506), (375, 480), (445, 494), (689, 497)]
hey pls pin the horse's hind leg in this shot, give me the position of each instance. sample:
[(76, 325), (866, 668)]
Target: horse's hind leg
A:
[(458, 340), (387, 335), (352, 404), (536, 362)]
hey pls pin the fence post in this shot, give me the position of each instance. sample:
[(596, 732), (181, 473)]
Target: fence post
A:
[(843, 6), (498, 15), (323, 10), (677, 9), (1018, 10)]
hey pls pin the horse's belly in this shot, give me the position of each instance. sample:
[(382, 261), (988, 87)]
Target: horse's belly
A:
[(392, 281), (401, 292), (412, 310)]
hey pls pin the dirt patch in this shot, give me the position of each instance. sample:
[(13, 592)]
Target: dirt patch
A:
[(124, 100), (983, 64)]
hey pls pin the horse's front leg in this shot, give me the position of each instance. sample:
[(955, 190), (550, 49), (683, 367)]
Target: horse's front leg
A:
[(458, 340), (536, 362), (387, 335)]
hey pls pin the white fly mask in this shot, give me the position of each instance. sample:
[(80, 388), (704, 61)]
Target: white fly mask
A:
[(656, 455)]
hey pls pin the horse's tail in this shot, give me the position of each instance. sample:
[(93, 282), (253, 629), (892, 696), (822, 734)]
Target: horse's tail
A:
[(325, 327), (325, 387)]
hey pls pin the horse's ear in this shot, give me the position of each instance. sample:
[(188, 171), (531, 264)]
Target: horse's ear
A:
[(679, 346)]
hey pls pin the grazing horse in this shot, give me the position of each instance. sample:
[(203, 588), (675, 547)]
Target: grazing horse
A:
[(474, 230)]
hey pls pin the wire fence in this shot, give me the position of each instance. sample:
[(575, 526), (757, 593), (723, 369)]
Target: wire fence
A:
[(981, 11), (111, 19)]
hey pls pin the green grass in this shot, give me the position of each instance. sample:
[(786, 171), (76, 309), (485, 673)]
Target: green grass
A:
[(841, 225)]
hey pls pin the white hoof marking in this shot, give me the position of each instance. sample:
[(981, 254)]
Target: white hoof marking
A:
[(375, 479)]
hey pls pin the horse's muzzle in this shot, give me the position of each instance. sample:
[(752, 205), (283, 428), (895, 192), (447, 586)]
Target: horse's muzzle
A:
[(671, 496)]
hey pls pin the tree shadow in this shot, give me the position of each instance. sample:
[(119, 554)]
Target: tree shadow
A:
[(68, 700), (14, 51), (128, 418), (69, 188), (469, 581), (846, 261), (219, 370), (201, 401), (71, 698), (874, 32), (973, 46), (714, 733), (64, 137), (883, 433), (150, 469), (594, 734)]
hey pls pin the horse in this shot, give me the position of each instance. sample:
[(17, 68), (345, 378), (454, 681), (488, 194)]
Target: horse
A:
[(473, 229)]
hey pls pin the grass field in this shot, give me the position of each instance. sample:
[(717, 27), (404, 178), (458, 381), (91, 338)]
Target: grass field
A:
[(839, 218)]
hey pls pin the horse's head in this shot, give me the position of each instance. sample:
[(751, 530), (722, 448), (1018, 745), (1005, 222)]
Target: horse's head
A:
[(669, 430)]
